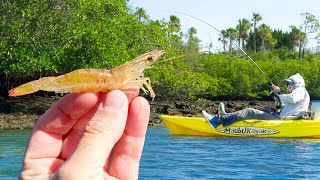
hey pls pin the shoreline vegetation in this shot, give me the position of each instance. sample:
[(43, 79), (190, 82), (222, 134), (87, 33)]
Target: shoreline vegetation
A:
[(50, 38)]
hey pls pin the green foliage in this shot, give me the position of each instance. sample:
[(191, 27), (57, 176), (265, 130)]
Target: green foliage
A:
[(234, 76), (44, 38), (60, 36), (212, 75)]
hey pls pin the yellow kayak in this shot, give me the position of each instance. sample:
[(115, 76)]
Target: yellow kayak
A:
[(196, 126)]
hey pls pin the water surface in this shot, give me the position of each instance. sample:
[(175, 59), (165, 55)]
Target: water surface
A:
[(175, 157)]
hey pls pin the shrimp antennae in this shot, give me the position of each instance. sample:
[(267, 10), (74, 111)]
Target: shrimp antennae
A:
[(182, 56), (176, 69)]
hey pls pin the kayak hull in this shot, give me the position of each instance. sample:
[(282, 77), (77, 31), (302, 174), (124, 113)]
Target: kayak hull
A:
[(196, 126)]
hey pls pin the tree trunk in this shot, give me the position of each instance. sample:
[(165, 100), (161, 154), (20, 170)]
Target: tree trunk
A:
[(254, 39), (300, 49), (243, 46)]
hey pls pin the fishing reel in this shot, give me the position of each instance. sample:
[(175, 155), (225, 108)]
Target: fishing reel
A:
[(277, 101)]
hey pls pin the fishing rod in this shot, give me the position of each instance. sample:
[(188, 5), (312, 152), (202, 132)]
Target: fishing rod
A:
[(265, 75)]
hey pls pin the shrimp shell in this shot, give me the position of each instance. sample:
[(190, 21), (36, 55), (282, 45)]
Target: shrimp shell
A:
[(124, 76)]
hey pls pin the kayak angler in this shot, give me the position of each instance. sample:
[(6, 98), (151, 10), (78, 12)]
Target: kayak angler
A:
[(295, 102), (295, 105)]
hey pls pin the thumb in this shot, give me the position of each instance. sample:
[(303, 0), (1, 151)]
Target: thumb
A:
[(105, 127)]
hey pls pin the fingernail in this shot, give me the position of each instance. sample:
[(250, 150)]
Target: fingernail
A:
[(114, 99)]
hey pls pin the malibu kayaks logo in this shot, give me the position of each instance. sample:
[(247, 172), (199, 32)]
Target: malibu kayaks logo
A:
[(247, 131)]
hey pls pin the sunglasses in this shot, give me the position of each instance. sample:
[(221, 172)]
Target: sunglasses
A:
[(289, 84)]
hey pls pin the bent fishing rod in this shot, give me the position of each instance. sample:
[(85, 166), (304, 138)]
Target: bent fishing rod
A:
[(265, 75)]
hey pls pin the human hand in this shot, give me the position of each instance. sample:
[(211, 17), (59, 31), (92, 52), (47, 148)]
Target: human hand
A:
[(88, 136), (275, 89)]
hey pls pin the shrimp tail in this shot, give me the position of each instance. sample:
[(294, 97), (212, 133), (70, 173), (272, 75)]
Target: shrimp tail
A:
[(27, 88)]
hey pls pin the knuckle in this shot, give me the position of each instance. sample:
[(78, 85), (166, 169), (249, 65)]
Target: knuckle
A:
[(97, 127)]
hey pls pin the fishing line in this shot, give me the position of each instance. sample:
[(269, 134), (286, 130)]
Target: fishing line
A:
[(265, 75)]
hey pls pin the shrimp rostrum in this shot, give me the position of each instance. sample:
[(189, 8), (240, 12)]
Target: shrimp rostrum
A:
[(124, 76)]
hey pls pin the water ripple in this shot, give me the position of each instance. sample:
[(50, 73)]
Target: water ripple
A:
[(173, 157)]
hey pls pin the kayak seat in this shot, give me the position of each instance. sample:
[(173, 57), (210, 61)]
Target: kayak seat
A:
[(306, 115)]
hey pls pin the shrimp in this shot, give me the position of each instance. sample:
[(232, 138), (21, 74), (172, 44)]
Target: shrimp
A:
[(129, 74)]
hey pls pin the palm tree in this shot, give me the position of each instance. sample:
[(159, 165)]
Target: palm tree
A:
[(243, 28), (265, 32), (222, 38), (232, 35), (191, 32), (174, 33), (299, 38), (141, 14), (256, 18), (271, 43), (192, 41), (174, 23)]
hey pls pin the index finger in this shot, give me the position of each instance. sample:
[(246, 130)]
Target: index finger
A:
[(46, 137)]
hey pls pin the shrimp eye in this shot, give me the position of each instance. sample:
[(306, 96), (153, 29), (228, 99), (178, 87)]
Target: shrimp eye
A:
[(150, 58)]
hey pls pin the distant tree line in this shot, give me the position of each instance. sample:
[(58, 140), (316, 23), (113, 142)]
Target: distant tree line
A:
[(251, 36), (46, 38)]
